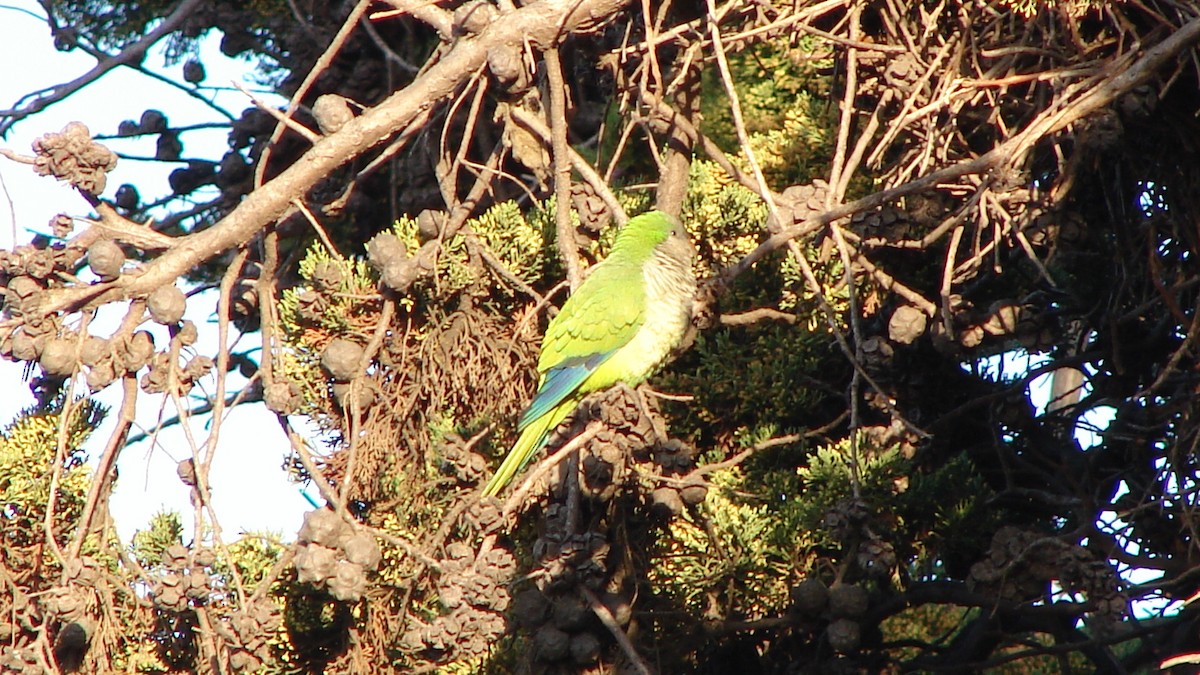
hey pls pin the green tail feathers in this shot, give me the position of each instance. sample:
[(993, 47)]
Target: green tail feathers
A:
[(533, 437)]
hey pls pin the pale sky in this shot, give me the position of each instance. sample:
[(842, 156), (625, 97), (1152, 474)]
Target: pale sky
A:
[(250, 488)]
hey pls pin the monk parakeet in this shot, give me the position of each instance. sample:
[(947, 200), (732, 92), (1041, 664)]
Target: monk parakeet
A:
[(624, 319)]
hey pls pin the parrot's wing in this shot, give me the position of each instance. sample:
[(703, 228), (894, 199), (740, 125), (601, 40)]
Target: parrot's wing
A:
[(596, 322), (559, 383)]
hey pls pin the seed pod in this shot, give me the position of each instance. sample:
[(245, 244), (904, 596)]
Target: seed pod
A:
[(507, 64), (58, 357), (315, 564), (429, 224), (569, 613), (232, 170), (18, 290), (323, 527), (848, 600), (362, 549), (906, 325), (844, 635), (242, 661), (694, 490), (332, 112), (127, 197), (551, 643), (666, 502), (137, 351), (810, 596), (348, 582), (174, 557), (197, 581), (168, 148), (101, 375), (198, 366), (205, 557), (193, 72), (153, 122), (450, 596), (385, 248), (23, 347), (328, 275), (62, 225), (186, 470), (400, 274), (169, 598), (155, 381), (106, 259), (94, 350), (40, 264), (282, 397), (585, 648), (530, 608), (167, 305), (364, 395), (341, 358), (188, 334)]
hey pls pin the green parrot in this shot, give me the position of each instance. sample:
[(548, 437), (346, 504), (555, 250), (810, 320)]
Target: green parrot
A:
[(624, 319)]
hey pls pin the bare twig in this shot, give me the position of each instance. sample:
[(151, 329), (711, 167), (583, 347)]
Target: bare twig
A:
[(557, 86), (1089, 100), (284, 119), (318, 68), (532, 123), (610, 622), (104, 473), (132, 54)]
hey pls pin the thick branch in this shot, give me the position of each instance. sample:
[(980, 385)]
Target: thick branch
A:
[(543, 24)]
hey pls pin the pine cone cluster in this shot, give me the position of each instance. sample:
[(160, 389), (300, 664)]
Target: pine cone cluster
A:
[(1021, 564), (473, 593), (187, 579), (331, 555), (246, 633), (71, 155)]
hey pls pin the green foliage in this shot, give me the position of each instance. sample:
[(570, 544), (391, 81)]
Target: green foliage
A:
[(831, 470), (949, 515), (748, 378), (737, 558), (28, 450), (165, 529), (785, 107), (253, 554), (111, 26), (721, 214)]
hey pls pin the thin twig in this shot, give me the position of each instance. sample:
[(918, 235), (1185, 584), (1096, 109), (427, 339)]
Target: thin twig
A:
[(532, 123), (103, 476), (567, 248), (610, 622), (134, 53), (284, 119), (316, 71), (518, 496)]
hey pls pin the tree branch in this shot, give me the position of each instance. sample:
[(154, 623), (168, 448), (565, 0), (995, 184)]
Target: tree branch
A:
[(543, 24)]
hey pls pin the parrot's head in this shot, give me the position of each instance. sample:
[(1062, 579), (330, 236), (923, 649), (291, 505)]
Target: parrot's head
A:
[(655, 233)]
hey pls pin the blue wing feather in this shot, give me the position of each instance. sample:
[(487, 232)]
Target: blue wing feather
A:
[(560, 382)]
